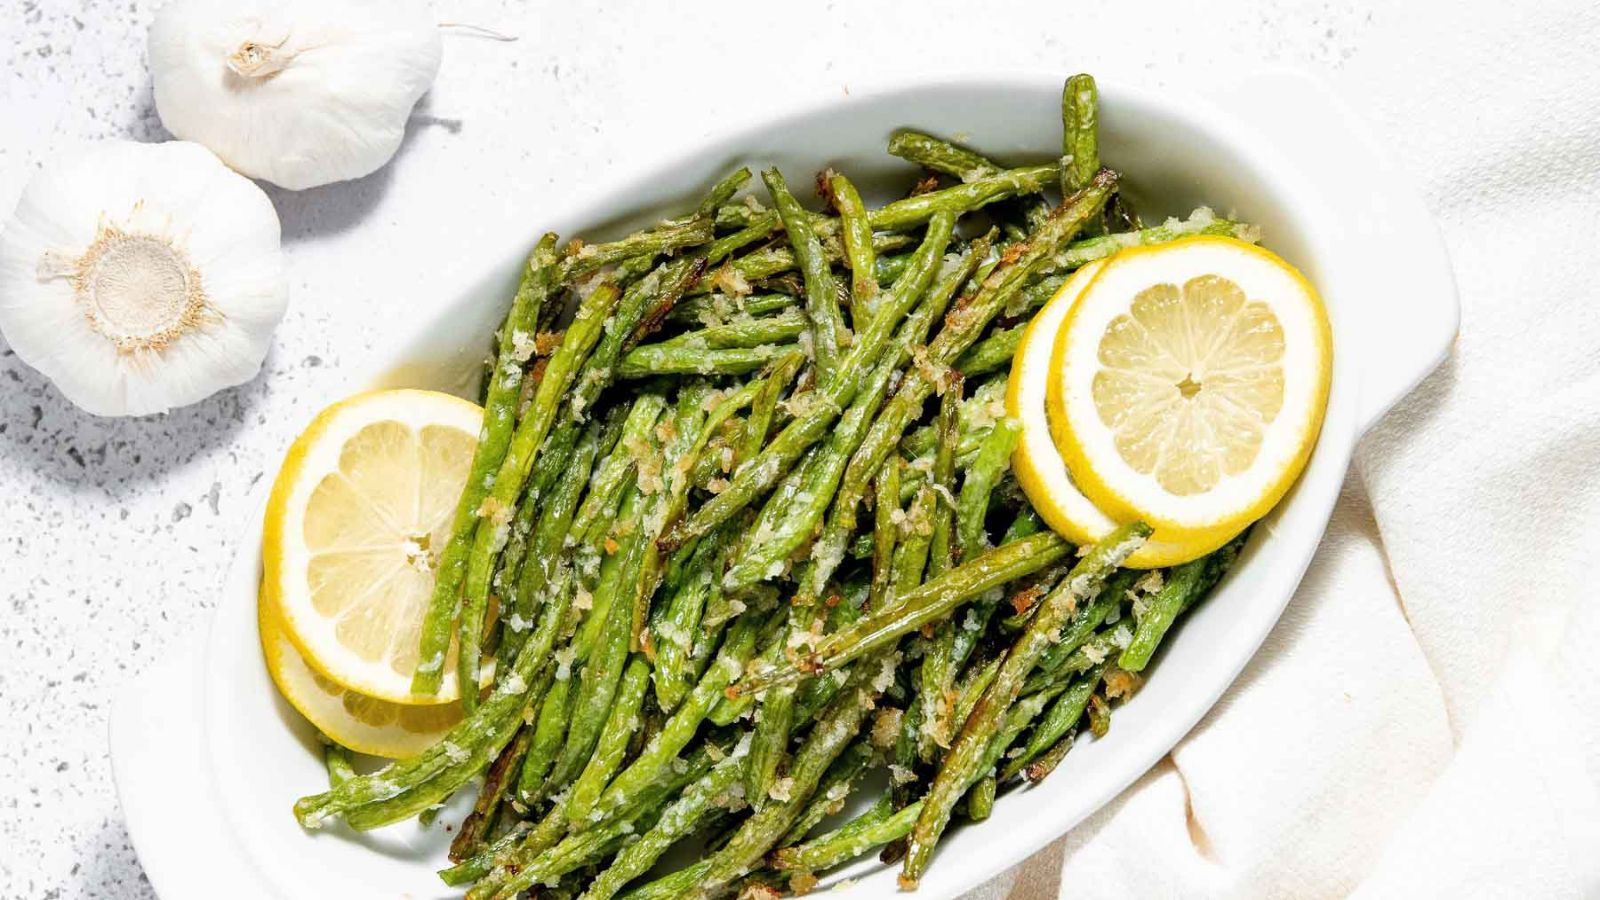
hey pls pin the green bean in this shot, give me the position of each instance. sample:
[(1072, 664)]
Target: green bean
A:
[(499, 423), (1025, 600), (954, 644), (599, 839), (602, 672), (959, 162), (833, 790), (978, 413), (1046, 762), (669, 237), (771, 646), (1086, 621), (829, 549), (782, 328), (903, 774), (489, 728), (932, 601), (774, 719), (464, 765), (822, 301), (911, 556), (857, 234), (717, 460), (1185, 585), (486, 375), (1080, 140), (482, 862), (504, 583), (580, 338), (965, 758), (1027, 522), (941, 554), (555, 521), (795, 518), (963, 325), (674, 635), (817, 693), (547, 833), (1099, 715), (646, 304), (698, 804), (553, 827), (1099, 647), (994, 459), (665, 359), (720, 309), (963, 198), (692, 427), (861, 545), (622, 721), (722, 192), (878, 826), (607, 582), (993, 353), (681, 727), (980, 799), (549, 734), (888, 269), (938, 664), (337, 759), (724, 247), (885, 530), (881, 824), (774, 714), (756, 428), (1053, 730), (940, 156), (475, 827), (765, 264), (747, 211), (839, 725), (691, 570), (974, 682), (610, 478), (1201, 222), (912, 212), (671, 887), (757, 475)]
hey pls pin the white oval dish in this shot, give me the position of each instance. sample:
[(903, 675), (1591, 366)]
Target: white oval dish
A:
[(208, 759)]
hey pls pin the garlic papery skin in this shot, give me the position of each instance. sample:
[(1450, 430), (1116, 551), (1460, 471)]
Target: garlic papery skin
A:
[(296, 92), (141, 277)]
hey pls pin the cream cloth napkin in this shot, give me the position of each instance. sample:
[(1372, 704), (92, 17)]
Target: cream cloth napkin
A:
[(1425, 720)]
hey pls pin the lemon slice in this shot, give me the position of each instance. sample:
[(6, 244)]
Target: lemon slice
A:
[(363, 724), (357, 518), (1037, 463), (1188, 382)]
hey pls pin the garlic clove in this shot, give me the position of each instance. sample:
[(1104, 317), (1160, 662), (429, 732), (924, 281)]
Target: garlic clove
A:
[(297, 92), (140, 277)]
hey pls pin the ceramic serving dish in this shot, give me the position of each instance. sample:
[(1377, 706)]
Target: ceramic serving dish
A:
[(208, 759)]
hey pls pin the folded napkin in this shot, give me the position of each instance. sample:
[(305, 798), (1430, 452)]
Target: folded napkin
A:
[(1425, 720)]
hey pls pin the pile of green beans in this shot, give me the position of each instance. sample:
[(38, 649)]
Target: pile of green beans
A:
[(697, 635)]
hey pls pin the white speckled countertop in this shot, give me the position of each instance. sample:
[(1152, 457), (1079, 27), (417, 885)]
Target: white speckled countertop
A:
[(113, 533)]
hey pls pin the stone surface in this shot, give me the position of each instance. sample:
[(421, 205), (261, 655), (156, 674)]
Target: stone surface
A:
[(114, 533)]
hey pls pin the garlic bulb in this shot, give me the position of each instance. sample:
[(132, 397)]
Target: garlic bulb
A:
[(298, 92), (139, 277)]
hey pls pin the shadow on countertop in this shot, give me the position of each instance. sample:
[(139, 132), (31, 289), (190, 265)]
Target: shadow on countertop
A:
[(42, 431)]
